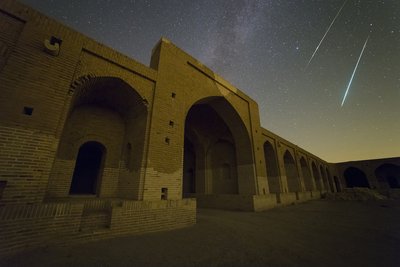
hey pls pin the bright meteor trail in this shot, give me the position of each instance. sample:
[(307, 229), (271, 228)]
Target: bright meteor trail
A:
[(323, 37), (354, 71)]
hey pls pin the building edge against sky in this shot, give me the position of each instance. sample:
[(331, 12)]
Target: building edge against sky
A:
[(94, 144)]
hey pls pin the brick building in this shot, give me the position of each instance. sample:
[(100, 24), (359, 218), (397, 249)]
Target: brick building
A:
[(94, 144)]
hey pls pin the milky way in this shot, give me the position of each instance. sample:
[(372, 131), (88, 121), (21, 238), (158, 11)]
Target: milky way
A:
[(262, 48)]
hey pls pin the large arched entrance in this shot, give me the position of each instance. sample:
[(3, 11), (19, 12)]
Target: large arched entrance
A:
[(317, 177), (306, 174), (217, 150), (291, 172), (105, 114), (355, 178), (271, 165), (388, 175), (88, 168)]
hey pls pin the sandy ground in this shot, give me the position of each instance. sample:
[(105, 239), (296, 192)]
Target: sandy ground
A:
[(317, 233)]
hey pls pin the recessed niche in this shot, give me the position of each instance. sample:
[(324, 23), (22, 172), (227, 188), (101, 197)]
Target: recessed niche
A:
[(171, 123), (27, 111), (173, 95), (2, 187), (167, 140), (164, 193), (55, 40)]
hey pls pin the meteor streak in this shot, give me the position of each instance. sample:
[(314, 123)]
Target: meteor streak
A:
[(323, 37), (354, 71)]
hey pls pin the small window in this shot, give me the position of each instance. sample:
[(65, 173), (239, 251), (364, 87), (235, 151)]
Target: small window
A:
[(173, 95), (27, 111), (164, 193)]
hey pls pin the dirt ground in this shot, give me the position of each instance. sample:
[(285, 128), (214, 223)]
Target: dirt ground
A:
[(316, 233)]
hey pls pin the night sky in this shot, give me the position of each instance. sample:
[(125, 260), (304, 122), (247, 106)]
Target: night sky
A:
[(263, 48)]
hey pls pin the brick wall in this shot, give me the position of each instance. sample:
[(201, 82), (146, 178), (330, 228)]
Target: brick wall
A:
[(28, 226), (26, 156)]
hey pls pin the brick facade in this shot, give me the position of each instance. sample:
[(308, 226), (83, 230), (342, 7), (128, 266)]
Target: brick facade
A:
[(94, 144)]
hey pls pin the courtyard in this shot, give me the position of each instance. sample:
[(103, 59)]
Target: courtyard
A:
[(316, 233)]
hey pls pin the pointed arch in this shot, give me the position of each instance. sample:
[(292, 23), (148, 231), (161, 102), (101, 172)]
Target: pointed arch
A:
[(355, 177), (292, 175), (308, 184), (271, 164)]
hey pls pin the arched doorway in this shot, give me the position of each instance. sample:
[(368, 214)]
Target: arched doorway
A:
[(271, 165), (317, 177), (306, 174), (291, 172), (355, 177), (88, 168), (217, 149), (388, 175)]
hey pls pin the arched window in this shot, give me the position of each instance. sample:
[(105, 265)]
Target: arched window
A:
[(88, 168)]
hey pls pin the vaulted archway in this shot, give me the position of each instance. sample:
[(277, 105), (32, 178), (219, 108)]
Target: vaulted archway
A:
[(388, 175), (217, 153), (271, 164), (355, 178), (292, 175), (107, 111), (308, 184)]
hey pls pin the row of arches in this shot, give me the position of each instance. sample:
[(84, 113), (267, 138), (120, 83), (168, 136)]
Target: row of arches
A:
[(387, 175), (104, 135), (313, 179)]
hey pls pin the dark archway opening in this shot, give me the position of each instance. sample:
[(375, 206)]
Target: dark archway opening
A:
[(355, 178), (388, 175), (291, 172), (217, 149), (306, 174), (272, 168), (87, 168)]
